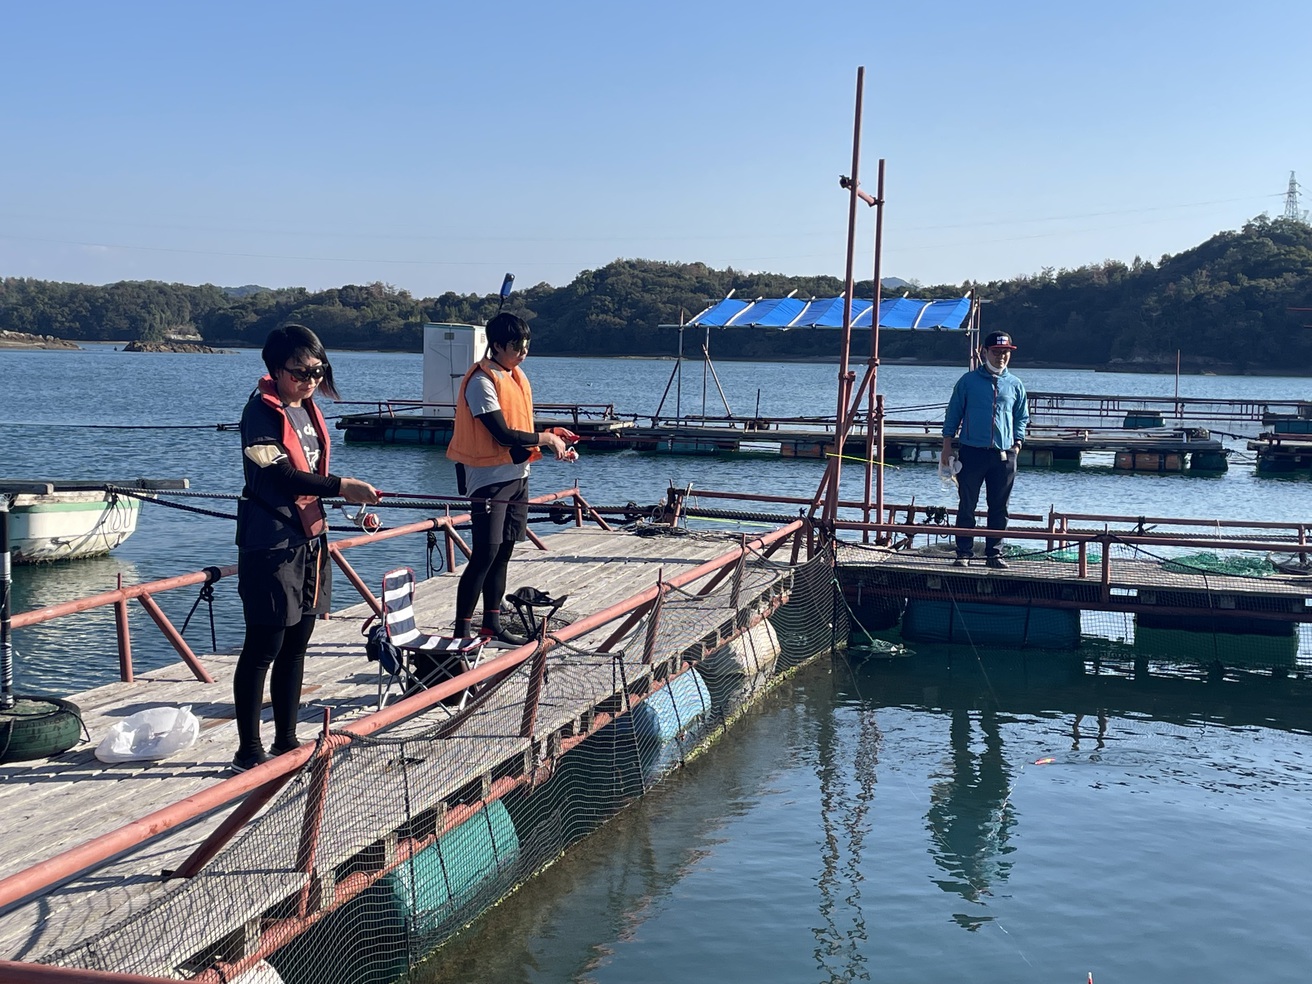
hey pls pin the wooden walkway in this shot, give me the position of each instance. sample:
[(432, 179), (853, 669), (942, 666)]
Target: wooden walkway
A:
[(50, 806)]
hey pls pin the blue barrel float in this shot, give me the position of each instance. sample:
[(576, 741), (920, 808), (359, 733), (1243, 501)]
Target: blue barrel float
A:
[(444, 877), (654, 736), (982, 624), (406, 913)]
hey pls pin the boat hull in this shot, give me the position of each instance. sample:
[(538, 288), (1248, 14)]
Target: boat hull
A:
[(69, 525)]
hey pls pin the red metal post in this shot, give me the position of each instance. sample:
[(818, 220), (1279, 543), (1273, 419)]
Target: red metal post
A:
[(124, 635), (596, 516), (312, 822), (874, 403), (624, 629), (844, 381), (736, 587), (449, 538), (537, 677), (334, 551), (230, 827), (175, 638), (654, 619)]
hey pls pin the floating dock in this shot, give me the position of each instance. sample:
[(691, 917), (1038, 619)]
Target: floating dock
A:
[(357, 855), (1141, 433), (1286, 443), (1185, 608), (1147, 449), (404, 789)]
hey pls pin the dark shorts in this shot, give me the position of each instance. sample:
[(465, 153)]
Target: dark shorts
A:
[(281, 586), (500, 512)]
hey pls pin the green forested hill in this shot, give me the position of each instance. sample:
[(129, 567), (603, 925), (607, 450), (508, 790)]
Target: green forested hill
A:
[(1224, 305)]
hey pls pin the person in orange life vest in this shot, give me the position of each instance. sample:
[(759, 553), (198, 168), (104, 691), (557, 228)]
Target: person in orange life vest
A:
[(990, 408), (495, 439), (283, 573)]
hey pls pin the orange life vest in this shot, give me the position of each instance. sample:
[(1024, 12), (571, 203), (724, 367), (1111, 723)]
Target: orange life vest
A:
[(308, 507), (472, 444)]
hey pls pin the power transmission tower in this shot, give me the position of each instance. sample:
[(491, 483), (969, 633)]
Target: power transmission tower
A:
[(1292, 210)]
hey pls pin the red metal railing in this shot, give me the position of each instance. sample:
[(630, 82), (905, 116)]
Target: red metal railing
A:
[(145, 592), (258, 785)]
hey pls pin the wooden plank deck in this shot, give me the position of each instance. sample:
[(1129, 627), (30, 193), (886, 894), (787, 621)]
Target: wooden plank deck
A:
[(52, 805)]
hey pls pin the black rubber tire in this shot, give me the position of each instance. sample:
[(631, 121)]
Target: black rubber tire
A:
[(38, 727)]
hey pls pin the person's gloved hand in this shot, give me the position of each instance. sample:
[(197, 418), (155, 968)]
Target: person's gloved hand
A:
[(947, 471)]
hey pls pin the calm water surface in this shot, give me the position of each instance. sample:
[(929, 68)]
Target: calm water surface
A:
[(883, 822)]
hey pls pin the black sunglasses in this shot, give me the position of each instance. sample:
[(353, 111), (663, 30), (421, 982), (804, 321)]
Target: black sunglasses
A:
[(308, 373)]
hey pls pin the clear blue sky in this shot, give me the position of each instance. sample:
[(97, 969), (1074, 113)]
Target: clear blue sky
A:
[(436, 145)]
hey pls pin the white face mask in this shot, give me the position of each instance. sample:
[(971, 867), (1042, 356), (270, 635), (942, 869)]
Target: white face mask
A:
[(996, 370)]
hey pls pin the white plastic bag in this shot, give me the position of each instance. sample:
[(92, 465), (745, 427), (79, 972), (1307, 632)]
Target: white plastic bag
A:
[(149, 735), (947, 474)]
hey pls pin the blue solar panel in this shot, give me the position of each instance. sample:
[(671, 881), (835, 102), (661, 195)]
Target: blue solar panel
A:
[(822, 311), (903, 313), (776, 313), (721, 314)]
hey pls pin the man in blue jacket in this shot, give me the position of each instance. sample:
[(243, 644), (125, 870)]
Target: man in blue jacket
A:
[(990, 411)]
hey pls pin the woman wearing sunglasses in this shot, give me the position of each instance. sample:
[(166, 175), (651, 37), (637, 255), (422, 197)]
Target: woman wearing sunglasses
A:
[(283, 572)]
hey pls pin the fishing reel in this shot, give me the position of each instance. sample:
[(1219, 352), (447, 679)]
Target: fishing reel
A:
[(362, 519)]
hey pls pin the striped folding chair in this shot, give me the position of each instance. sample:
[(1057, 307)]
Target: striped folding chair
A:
[(418, 660)]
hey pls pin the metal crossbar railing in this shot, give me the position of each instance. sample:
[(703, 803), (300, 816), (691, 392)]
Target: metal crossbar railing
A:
[(144, 593)]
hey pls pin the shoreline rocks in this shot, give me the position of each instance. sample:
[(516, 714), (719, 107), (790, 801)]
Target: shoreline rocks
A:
[(189, 347), (22, 340)]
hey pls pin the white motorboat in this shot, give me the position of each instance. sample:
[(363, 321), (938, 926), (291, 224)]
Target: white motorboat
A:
[(67, 520)]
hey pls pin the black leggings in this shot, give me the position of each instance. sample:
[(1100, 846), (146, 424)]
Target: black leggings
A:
[(283, 648), (485, 573)]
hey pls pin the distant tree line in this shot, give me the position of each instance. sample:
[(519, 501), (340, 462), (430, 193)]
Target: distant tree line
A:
[(1226, 304)]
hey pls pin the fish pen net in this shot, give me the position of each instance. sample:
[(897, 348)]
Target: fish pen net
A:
[(382, 847), (1124, 606)]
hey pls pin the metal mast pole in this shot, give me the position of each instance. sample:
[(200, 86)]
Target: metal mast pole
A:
[(875, 404), (834, 472)]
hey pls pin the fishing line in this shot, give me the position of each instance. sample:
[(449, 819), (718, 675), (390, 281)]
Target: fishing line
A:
[(873, 461)]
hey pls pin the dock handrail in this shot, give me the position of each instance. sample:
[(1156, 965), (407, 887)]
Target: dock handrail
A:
[(264, 779), (144, 592)]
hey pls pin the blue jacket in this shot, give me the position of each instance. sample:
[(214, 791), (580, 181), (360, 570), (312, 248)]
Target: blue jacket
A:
[(991, 411)]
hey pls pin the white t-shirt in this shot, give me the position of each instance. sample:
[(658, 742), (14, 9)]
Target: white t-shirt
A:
[(481, 395)]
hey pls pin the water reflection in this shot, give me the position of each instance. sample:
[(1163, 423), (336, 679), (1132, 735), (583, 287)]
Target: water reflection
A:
[(573, 921), (972, 819), (845, 803), (969, 819)]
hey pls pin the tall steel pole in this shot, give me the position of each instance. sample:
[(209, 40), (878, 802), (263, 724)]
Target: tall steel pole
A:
[(834, 472), (875, 404)]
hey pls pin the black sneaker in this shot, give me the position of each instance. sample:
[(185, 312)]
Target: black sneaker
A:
[(504, 636), (961, 560), (277, 749), (997, 563), (241, 763)]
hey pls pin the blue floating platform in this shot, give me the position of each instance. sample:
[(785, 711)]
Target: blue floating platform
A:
[(981, 624)]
